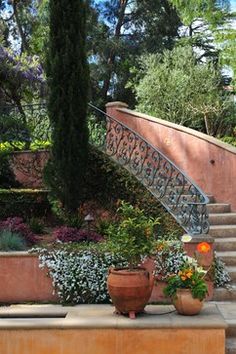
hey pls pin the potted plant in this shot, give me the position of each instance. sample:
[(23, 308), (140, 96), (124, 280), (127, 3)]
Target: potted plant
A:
[(132, 239), (187, 288)]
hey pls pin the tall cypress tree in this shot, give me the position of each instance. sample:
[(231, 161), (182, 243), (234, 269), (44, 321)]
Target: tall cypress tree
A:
[(68, 84)]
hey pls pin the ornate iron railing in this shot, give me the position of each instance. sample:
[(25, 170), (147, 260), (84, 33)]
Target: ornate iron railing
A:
[(172, 187)]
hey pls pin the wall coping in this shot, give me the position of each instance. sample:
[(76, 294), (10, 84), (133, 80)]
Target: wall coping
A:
[(157, 317), (19, 152), (18, 254), (180, 128)]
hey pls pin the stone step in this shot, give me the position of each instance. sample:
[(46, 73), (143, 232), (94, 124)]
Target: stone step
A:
[(231, 330), (211, 198), (223, 294), (225, 244), (232, 272), (222, 231), (229, 257), (218, 208), (230, 346), (222, 218)]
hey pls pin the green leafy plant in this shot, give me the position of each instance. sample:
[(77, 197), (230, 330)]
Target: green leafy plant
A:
[(36, 225), (11, 241), (64, 216), (190, 276), (133, 236)]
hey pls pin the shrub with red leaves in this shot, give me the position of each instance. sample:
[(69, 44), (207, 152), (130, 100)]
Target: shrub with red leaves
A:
[(72, 234), (17, 225)]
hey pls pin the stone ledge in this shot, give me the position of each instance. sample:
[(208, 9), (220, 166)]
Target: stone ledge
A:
[(102, 316)]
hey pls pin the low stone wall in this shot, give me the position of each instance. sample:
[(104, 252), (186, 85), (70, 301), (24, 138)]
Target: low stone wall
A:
[(95, 329), (22, 280), (28, 167)]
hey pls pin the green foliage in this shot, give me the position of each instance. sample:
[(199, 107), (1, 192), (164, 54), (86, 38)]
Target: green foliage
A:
[(36, 225), (203, 21), (119, 32), (190, 276), (212, 11), (102, 227), (229, 140), (68, 83), (64, 216), (7, 177), (133, 236), (107, 182), (176, 88), (23, 202), (11, 241)]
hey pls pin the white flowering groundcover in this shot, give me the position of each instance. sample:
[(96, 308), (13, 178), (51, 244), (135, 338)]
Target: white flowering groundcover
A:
[(79, 277)]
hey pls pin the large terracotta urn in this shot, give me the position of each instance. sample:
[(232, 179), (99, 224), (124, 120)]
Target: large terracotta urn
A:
[(185, 304), (129, 290)]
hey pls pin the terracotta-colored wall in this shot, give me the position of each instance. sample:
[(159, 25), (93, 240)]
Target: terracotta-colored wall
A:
[(28, 167), (209, 162), (113, 341), (21, 279)]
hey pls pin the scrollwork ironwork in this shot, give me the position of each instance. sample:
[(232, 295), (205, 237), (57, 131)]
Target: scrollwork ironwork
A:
[(172, 187)]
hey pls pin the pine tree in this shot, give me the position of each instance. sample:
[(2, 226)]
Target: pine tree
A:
[(68, 84)]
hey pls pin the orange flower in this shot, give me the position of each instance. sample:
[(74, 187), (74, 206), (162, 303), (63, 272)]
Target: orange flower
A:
[(189, 274), (203, 247), (183, 277)]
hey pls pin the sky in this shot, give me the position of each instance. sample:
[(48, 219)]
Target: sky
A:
[(233, 5)]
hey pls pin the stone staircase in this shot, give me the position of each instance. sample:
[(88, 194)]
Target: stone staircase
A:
[(223, 230)]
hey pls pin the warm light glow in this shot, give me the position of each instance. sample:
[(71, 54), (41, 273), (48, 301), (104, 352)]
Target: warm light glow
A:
[(203, 247)]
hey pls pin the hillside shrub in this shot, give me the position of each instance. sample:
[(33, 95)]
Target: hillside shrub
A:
[(17, 225), (71, 234), (11, 241), (25, 203)]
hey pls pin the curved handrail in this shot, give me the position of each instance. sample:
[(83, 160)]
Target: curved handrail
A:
[(182, 198)]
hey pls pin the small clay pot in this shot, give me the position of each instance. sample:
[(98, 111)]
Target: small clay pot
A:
[(185, 304)]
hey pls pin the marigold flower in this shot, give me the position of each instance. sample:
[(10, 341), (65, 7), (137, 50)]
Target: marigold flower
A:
[(189, 274), (183, 277), (203, 247)]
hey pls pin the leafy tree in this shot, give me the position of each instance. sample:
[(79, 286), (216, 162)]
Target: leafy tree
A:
[(123, 31), (201, 20), (176, 88), (68, 82)]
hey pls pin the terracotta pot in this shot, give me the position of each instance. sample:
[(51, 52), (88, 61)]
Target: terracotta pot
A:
[(185, 304), (129, 290)]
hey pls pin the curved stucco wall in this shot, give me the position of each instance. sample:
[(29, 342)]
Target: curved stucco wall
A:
[(208, 161)]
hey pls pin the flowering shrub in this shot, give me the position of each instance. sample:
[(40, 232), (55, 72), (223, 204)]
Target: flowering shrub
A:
[(168, 258), (79, 277), (72, 234), (221, 275), (17, 225), (190, 276)]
